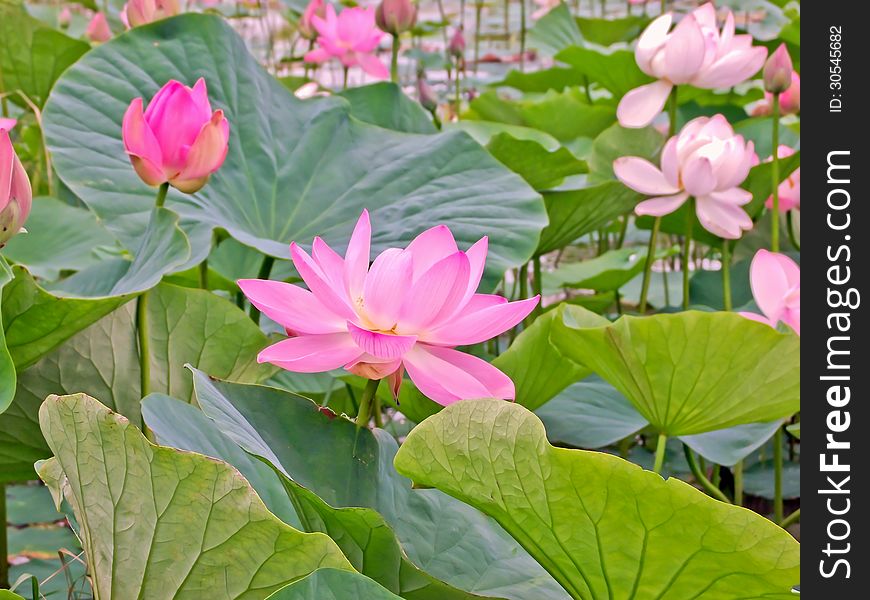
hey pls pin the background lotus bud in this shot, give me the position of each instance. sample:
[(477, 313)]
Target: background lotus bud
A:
[(15, 193), (396, 16), (789, 100), (456, 47), (64, 17), (425, 93), (777, 71), (177, 139), (306, 27), (98, 29), (142, 12)]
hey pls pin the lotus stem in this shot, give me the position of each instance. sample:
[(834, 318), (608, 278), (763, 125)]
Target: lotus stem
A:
[(364, 413), (777, 477), (726, 275), (774, 224), (522, 35), (537, 286), (650, 259), (144, 350), (791, 519), (161, 195), (672, 111), (661, 446), (701, 478), (265, 271), (4, 544), (478, 9), (394, 60), (737, 471), (687, 245)]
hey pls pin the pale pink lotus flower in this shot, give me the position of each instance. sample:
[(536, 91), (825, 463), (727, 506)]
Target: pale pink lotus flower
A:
[(776, 286), (406, 312), (351, 37), (790, 189), (16, 196), (8, 124), (98, 29), (705, 160), (695, 53), (789, 100), (142, 12), (178, 138), (306, 27)]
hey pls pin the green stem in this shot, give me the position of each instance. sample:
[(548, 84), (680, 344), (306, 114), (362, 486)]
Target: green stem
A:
[(701, 478), (687, 245), (672, 111), (478, 8), (344, 78), (394, 60), (457, 93), (364, 413), (726, 275), (660, 453), (623, 229), (203, 274), (161, 195), (792, 518), (144, 350), (789, 220), (737, 471), (774, 231), (265, 270), (650, 259), (664, 6), (522, 35), (777, 476), (4, 544), (537, 286)]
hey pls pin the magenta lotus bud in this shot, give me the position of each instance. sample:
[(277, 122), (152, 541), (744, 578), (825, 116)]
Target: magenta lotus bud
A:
[(16, 196), (426, 95), (142, 12), (177, 139), (396, 16), (306, 27), (456, 47), (98, 29), (777, 71)]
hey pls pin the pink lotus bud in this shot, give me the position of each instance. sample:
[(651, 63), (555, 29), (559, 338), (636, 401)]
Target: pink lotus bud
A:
[(425, 94), (456, 47), (15, 193), (777, 71), (64, 17), (789, 100), (98, 29), (142, 12), (306, 27), (396, 16), (177, 138)]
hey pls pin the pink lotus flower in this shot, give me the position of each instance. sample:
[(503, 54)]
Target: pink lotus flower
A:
[(8, 124), (776, 286), (790, 189), (178, 138), (694, 53), (789, 100), (351, 37), (705, 160), (306, 27), (98, 29), (405, 312), (142, 12), (15, 194)]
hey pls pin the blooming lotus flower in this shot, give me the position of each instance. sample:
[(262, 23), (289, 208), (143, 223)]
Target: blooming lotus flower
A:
[(8, 124), (790, 189), (306, 27), (396, 16), (351, 37), (15, 193), (178, 138), (789, 100), (705, 160), (98, 29), (406, 312), (696, 53), (142, 12), (776, 286)]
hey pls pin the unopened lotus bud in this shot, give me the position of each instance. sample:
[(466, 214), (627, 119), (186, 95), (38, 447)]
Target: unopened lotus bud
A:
[(16, 195), (425, 94), (457, 43), (396, 16), (777, 71)]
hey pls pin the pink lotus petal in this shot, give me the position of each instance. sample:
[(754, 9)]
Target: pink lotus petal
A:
[(431, 246), (447, 376), (726, 220), (372, 367), (698, 179), (651, 42), (330, 262), (436, 294), (312, 353), (206, 154), (661, 206), (640, 106), (140, 142), (373, 66), (356, 258), (642, 176), (335, 300), (476, 261), (475, 327), (386, 282), (291, 306), (684, 51), (7, 124), (381, 345)]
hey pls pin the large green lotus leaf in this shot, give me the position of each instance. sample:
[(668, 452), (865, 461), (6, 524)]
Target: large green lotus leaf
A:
[(342, 475), (617, 141), (567, 115), (705, 287), (603, 527), (484, 131), (555, 31), (157, 522), (295, 169), (334, 584), (617, 71), (693, 371), (574, 213), (7, 366), (554, 78), (606, 272), (385, 105), (607, 32), (37, 322), (361, 533), (183, 426), (537, 367), (59, 238), (33, 55), (541, 168)]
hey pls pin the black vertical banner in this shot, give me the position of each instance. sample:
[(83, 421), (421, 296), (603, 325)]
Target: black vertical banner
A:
[(835, 264)]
